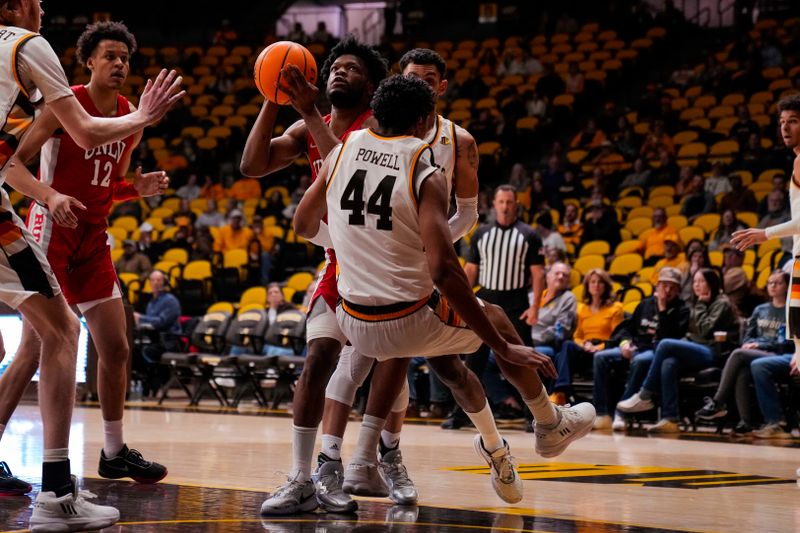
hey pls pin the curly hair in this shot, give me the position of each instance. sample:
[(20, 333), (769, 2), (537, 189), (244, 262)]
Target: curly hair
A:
[(402, 101), (790, 103), (424, 56), (377, 66), (99, 31)]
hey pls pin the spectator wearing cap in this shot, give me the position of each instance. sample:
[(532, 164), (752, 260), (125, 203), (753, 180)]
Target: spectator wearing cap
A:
[(739, 290), (147, 244), (673, 257), (652, 243), (763, 338), (731, 257), (133, 261), (664, 315), (233, 235)]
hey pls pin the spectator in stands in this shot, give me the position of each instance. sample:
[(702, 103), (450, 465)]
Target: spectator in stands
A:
[(571, 228), (696, 200), (133, 261), (190, 190), (519, 178), (212, 190), (550, 84), (744, 126), (627, 144), (601, 224), (558, 306), (752, 155), (551, 239), (597, 317), (664, 315), (535, 105), (203, 244), (639, 176), (764, 337), (713, 333), (684, 180), (511, 65), (321, 34), (698, 259), (574, 81), (667, 171), (673, 257), (777, 214), (771, 55), (211, 217), (484, 127), (718, 182), (260, 250), (554, 255), (652, 243), (727, 225), (147, 244), (740, 198), (297, 34), (488, 62), (570, 187), (184, 216), (553, 175), (233, 235), (739, 290), (245, 189), (683, 76), (656, 141), (274, 207), (608, 160), (768, 372), (779, 183), (530, 65), (589, 137)]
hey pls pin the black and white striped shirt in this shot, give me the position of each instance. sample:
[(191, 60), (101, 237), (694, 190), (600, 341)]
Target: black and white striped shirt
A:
[(505, 255)]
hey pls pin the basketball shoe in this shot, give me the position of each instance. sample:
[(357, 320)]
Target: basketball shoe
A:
[(294, 497), (70, 512), (573, 423), (130, 463), (328, 480), (401, 489), (505, 480), (10, 485), (365, 480)]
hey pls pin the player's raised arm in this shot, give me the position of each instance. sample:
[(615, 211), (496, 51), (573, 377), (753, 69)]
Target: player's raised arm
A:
[(264, 154)]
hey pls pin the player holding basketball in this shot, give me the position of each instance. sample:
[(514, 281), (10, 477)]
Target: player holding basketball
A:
[(386, 204), (351, 74), (455, 153), (26, 279), (80, 256), (789, 120)]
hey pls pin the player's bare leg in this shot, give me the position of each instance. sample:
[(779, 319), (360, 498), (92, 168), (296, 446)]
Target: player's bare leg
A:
[(107, 324)]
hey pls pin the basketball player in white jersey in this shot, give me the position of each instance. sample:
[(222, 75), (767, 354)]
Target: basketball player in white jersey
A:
[(386, 201), (27, 283), (455, 153), (789, 120)]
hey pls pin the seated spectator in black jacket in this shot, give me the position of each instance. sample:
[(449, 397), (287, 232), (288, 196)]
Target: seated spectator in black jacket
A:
[(601, 224), (661, 316)]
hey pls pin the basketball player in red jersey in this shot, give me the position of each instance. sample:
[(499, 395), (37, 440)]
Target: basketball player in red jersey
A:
[(351, 72), (80, 255)]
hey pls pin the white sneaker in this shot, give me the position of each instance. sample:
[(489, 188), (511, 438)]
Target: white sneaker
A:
[(771, 431), (294, 497), (619, 424), (635, 404), (365, 480), (505, 480), (798, 472), (664, 426), (574, 423), (602, 422), (70, 512)]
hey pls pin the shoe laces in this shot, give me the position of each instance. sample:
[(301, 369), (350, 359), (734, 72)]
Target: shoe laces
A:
[(135, 456), (5, 471), (397, 472), (331, 482), (505, 465), (293, 486)]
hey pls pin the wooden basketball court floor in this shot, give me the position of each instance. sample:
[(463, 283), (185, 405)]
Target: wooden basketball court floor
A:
[(222, 465)]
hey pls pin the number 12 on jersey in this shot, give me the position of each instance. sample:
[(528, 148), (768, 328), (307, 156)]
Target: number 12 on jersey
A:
[(379, 202), (107, 168)]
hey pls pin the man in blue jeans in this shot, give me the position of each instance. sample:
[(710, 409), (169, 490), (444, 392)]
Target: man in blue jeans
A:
[(661, 316), (767, 373)]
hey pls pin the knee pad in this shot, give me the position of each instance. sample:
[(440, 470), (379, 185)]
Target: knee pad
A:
[(351, 371), (401, 402)]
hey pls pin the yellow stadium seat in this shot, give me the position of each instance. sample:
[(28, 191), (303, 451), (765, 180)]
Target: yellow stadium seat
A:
[(116, 253), (595, 248), (720, 111), (733, 99), (300, 281), (677, 221), (527, 123), (564, 100), (628, 247), (716, 257), (632, 296), (705, 101), (459, 115), (767, 175), (685, 137), (127, 223), (576, 156), (629, 202), (661, 201), (724, 148), (119, 234), (637, 225), (630, 307), (748, 218), (692, 113), (749, 271), (645, 274), (708, 221), (692, 150), (488, 148), (625, 265), (197, 270), (763, 276), (252, 306), (690, 233), (762, 97), (225, 307), (768, 246), (749, 257), (587, 262), (663, 190), (646, 287), (256, 295), (640, 212), (176, 255), (236, 259), (577, 290)]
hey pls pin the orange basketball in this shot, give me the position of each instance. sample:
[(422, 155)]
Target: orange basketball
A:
[(267, 69)]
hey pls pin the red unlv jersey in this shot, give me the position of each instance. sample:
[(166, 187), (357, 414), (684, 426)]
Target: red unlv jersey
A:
[(92, 176), (326, 284), (315, 159)]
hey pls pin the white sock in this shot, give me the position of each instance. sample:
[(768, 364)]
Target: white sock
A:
[(543, 409), (368, 437), (2, 429), (332, 446), (54, 455), (303, 440), (114, 441), (390, 440), (484, 423)]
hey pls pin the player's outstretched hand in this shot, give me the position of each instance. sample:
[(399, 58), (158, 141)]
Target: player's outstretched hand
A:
[(302, 94), (745, 238), (151, 183), (160, 95), (525, 356), (60, 206)]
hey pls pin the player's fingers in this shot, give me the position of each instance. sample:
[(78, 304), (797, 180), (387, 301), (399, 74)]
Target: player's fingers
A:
[(159, 81), (176, 84), (77, 203), (175, 97)]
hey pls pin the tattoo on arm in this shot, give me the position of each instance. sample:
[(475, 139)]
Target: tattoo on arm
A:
[(471, 150)]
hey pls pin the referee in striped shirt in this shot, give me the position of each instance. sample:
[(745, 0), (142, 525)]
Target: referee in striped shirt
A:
[(505, 259)]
